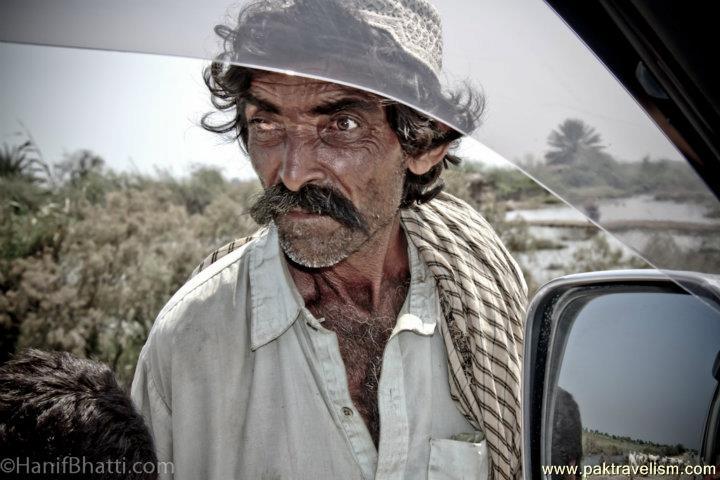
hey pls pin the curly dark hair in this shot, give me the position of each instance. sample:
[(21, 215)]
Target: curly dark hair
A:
[(278, 36), (54, 405)]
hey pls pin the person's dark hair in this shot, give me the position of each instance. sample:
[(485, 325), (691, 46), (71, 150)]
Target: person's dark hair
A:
[(567, 431), (54, 405), (307, 35)]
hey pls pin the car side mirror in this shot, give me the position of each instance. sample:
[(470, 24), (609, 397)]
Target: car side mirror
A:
[(621, 371)]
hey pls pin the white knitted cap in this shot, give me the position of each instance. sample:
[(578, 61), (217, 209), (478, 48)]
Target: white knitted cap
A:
[(414, 24)]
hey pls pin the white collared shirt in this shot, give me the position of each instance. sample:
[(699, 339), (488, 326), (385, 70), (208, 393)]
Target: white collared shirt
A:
[(238, 380)]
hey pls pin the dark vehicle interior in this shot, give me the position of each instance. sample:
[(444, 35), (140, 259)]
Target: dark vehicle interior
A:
[(661, 51), (711, 437)]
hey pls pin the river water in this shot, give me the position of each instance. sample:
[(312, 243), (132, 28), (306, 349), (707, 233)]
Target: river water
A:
[(691, 231), (639, 208)]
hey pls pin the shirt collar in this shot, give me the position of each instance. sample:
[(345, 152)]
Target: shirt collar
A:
[(421, 309), (276, 303)]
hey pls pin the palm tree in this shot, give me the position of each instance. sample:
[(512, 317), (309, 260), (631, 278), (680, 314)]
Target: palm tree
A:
[(18, 162), (572, 139), (23, 162)]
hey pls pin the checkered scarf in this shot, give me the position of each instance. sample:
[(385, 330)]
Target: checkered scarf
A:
[(483, 296)]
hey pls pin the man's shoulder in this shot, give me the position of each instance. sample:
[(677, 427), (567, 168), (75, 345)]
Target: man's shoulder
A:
[(208, 313), (215, 285), (225, 250)]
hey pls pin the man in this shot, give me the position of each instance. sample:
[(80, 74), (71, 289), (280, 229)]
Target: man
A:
[(567, 434), (66, 417), (373, 328)]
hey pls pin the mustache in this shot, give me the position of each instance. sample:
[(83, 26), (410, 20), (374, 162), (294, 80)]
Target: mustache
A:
[(278, 200)]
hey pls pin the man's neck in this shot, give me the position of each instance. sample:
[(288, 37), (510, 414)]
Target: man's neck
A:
[(380, 262)]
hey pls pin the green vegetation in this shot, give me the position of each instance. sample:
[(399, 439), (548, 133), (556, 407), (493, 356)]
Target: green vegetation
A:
[(88, 257), (579, 166), (599, 255), (599, 443)]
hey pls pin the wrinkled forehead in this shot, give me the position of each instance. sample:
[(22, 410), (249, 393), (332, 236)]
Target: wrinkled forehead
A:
[(294, 91)]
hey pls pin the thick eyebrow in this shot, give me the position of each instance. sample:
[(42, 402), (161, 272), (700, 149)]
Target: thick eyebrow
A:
[(261, 104), (327, 108), (342, 104)]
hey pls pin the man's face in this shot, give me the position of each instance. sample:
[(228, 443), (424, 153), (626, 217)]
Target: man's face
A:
[(304, 133)]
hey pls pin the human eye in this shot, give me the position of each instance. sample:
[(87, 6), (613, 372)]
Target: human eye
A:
[(342, 129), (263, 124), (264, 129), (345, 123)]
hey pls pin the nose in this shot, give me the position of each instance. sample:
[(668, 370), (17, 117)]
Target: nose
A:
[(300, 165)]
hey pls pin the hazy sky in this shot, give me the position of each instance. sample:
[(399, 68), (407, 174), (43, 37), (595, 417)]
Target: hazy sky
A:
[(641, 366), (140, 111), (134, 110), (137, 111)]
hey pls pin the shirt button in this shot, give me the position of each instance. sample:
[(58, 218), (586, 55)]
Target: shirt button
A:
[(347, 411)]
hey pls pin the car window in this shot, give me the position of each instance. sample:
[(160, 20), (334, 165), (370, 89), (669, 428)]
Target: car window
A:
[(552, 109), (112, 192)]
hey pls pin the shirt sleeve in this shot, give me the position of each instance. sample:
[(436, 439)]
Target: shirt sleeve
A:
[(156, 412)]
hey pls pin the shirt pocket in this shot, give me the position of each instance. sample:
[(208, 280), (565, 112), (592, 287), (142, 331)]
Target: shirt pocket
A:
[(455, 460)]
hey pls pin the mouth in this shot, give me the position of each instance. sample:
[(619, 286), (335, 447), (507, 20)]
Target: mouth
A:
[(298, 213)]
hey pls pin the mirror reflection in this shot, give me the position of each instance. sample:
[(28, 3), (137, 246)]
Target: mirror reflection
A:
[(635, 384)]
